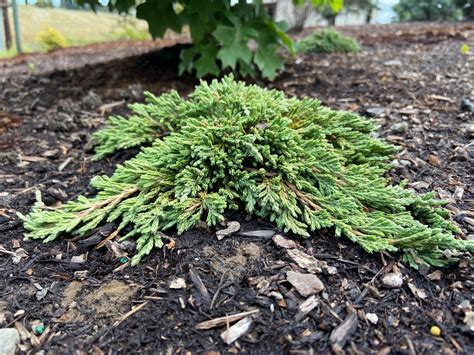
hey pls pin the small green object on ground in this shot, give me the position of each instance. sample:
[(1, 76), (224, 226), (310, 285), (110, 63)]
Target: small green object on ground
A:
[(39, 329)]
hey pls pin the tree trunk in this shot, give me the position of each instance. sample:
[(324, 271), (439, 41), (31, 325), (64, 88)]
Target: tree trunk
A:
[(368, 16), (6, 24), (331, 19)]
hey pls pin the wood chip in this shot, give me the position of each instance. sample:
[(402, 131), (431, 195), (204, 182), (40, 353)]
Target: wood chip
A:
[(283, 242), (304, 260), (305, 284), (177, 283), (305, 307), (24, 333), (64, 164), (263, 233), (341, 334), (200, 286), (32, 159), (79, 259), (434, 160), (110, 106), (441, 98), (236, 331), (418, 292), (232, 227), (217, 322), (133, 311)]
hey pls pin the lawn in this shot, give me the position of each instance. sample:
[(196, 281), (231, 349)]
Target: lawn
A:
[(78, 27)]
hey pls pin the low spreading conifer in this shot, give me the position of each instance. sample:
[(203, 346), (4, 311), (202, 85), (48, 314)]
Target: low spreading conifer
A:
[(231, 146)]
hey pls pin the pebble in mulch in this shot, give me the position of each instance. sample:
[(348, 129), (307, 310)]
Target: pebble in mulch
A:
[(393, 280), (9, 338)]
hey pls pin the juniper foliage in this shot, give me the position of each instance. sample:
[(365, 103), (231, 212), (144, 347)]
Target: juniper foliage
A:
[(229, 146), (327, 41)]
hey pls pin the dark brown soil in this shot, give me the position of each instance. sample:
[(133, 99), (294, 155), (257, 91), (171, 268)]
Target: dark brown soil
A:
[(411, 78)]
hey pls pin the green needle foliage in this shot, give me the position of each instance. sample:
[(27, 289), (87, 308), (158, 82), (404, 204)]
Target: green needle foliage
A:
[(327, 41), (230, 146)]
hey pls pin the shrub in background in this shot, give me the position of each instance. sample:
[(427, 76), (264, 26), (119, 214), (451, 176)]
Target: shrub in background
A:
[(130, 32), (327, 41), (230, 146), (51, 39)]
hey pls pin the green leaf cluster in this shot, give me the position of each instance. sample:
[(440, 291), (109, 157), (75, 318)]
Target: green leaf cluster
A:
[(239, 37), (327, 41), (231, 146)]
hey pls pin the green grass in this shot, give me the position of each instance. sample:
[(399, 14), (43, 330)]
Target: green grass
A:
[(78, 27)]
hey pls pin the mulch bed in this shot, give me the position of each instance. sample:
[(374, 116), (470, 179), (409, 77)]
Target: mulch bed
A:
[(410, 78)]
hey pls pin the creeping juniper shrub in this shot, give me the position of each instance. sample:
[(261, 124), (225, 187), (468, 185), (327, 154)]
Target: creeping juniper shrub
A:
[(230, 146), (327, 41)]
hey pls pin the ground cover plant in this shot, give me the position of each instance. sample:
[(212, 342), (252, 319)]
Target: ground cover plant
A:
[(229, 146), (327, 41)]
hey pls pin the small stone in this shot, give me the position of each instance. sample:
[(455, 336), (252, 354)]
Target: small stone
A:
[(331, 270), (393, 280), (467, 105), (354, 293), (399, 127), (81, 274), (469, 321), (372, 318), (177, 283), (305, 284), (9, 338), (282, 242), (434, 276), (468, 128), (436, 331), (79, 259), (465, 305)]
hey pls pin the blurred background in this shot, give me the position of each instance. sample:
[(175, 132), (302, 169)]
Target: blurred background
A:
[(45, 25)]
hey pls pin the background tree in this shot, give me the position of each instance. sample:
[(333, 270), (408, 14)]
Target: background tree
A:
[(428, 10), (6, 23), (467, 8), (365, 6)]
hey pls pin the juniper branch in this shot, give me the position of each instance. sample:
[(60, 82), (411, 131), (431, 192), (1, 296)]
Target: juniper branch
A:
[(231, 146)]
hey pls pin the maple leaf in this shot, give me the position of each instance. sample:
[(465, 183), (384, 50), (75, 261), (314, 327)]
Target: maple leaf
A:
[(234, 46), (206, 64), (268, 61), (160, 16)]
